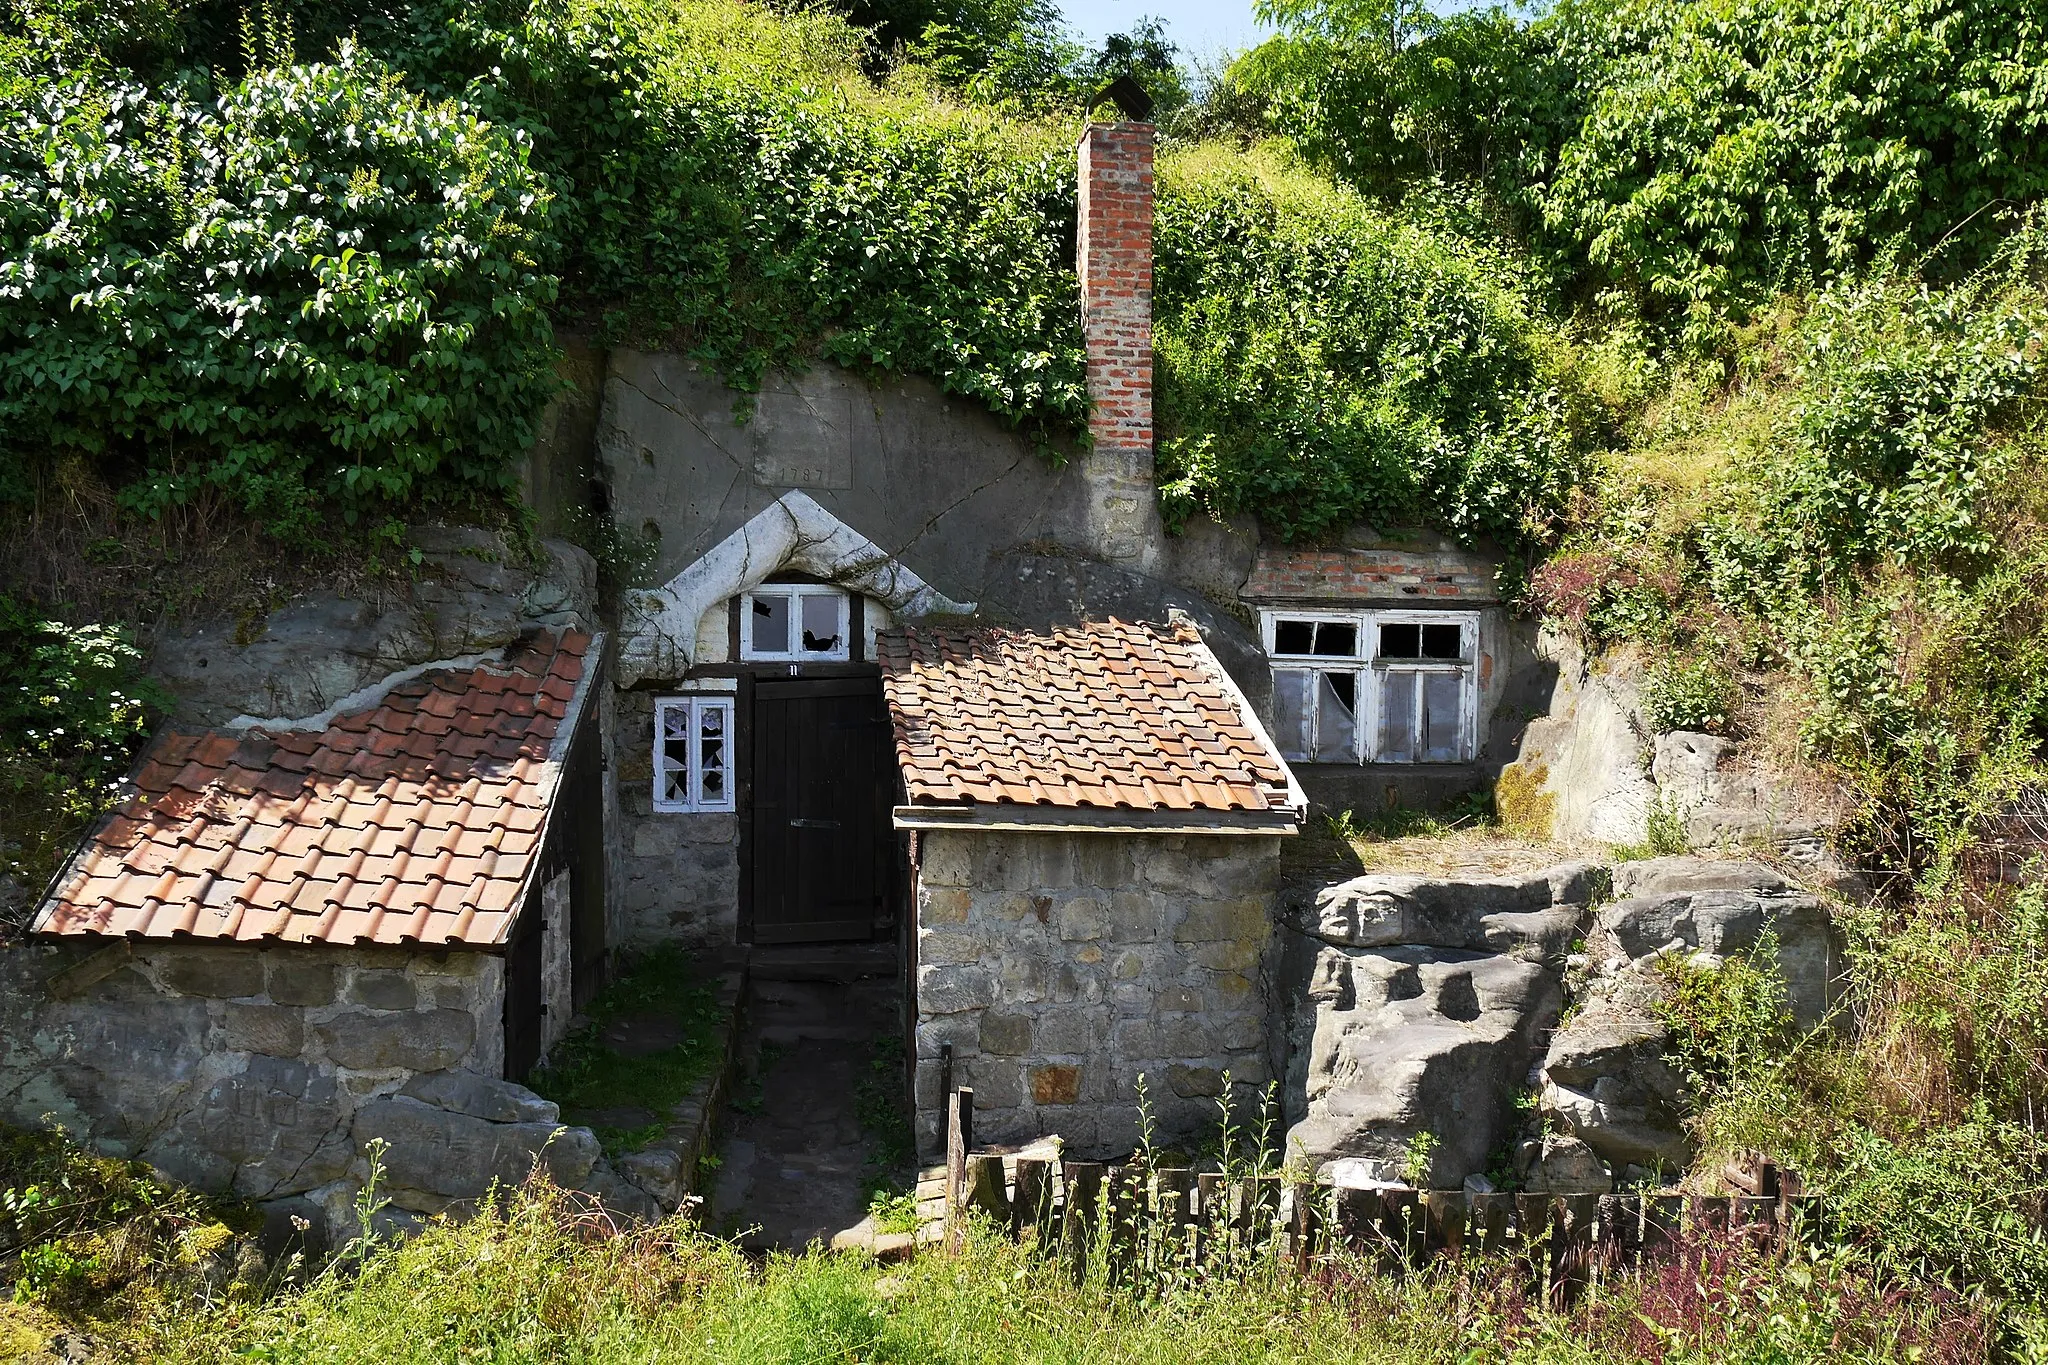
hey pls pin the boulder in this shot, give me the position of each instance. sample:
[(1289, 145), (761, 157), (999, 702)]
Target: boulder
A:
[(659, 1172), (275, 1128), (1606, 1079), (480, 1096), (1563, 1165), (1537, 910), (435, 1157), (620, 1197), (1408, 1040), (1723, 908)]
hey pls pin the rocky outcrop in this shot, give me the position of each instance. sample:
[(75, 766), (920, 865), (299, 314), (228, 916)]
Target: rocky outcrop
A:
[(1426, 1007), (1724, 797), (1606, 1077), (472, 593)]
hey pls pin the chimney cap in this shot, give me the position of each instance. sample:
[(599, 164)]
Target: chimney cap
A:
[(1129, 96)]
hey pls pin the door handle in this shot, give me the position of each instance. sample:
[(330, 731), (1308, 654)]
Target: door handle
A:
[(814, 824)]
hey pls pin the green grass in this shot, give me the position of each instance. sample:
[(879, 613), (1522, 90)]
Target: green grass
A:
[(536, 1283), (585, 1074)]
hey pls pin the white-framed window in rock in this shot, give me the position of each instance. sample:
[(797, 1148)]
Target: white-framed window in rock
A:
[(1374, 686), (693, 754), (794, 622)]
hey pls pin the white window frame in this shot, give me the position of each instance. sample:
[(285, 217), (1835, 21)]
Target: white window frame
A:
[(797, 592), (695, 709), (1373, 676)]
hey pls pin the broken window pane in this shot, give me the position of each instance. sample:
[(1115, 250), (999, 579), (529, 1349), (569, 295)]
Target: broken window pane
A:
[(1440, 719), (1397, 716), (1336, 718), (1400, 640), (1442, 642), (1294, 637), (1292, 703), (771, 623), (822, 631), (1337, 639)]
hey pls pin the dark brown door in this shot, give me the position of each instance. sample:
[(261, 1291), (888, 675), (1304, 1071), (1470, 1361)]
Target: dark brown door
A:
[(823, 775)]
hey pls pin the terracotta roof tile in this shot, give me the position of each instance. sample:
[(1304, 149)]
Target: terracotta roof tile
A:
[(1107, 714), (378, 829)]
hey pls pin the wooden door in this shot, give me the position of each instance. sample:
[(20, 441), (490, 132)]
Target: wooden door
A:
[(823, 778)]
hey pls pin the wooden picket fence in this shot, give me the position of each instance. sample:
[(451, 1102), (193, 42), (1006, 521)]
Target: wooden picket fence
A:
[(1129, 1215)]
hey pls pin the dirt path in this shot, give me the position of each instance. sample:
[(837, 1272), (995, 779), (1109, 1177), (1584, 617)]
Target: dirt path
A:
[(796, 1162)]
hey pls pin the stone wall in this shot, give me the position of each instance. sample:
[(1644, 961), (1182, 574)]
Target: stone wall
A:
[(678, 873), (260, 1071), (1062, 967)]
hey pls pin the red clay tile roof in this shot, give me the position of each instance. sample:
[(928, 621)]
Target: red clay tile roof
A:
[(412, 821), (1108, 714)]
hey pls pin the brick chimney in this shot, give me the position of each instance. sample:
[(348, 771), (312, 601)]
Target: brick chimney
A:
[(1115, 264)]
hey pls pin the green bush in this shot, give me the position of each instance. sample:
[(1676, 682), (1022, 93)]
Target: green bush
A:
[(74, 708), (1688, 694), (312, 288), (1322, 363)]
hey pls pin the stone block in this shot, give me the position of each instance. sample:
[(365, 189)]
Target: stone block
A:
[(946, 859), (1178, 1000), (222, 973), (1071, 1033), (1072, 984), (1192, 1082), (1229, 990), (382, 990), (479, 1096), (1138, 1040), (289, 981), (962, 1030), (1241, 1032), (657, 1172), (1127, 966), (1232, 921), (426, 1040), (1082, 918), (449, 1156), (997, 1083), (275, 1030), (1024, 979), (1239, 956), (1132, 999), (1007, 1035), (1056, 1084), (951, 989), (936, 949), (943, 905), (1135, 917), (1017, 908), (1103, 860)]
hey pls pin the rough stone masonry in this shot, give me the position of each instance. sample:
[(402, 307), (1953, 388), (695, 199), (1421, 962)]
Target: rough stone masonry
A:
[(1062, 967)]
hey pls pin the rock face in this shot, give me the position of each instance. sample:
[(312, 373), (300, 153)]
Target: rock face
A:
[(1426, 1007), (1605, 1076), (1722, 797), (474, 593)]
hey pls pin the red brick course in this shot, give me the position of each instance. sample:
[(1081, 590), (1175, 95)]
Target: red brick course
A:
[(1308, 575)]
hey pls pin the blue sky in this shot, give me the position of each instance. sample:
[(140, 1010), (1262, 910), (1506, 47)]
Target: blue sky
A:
[(1200, 27)]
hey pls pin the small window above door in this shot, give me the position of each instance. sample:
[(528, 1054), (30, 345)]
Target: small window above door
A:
[(795, 621)]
